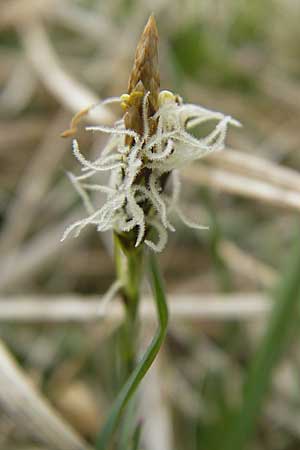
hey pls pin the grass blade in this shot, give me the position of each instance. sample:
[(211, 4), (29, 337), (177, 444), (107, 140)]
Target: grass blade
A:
[(143, 366)]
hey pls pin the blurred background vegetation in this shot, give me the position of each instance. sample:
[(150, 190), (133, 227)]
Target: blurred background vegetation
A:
[(236, 56)]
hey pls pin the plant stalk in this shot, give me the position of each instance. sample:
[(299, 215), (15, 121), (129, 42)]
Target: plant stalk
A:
[(144, 364), (129, 268)]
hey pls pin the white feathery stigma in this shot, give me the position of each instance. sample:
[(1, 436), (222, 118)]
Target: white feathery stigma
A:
[(167, 150)]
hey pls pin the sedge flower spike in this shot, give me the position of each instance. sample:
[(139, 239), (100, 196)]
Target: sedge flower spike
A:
[(144, 153)]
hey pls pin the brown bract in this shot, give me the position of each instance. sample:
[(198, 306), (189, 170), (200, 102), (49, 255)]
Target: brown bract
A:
[(144, 78)]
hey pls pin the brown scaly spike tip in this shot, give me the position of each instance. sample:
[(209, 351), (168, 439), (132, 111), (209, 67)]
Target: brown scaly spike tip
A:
[(145, 66), (144, 76)]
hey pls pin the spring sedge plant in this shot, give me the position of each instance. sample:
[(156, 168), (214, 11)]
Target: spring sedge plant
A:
[(145, 151)]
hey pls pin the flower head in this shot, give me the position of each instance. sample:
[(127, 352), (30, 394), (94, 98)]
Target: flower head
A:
[(145, 149)]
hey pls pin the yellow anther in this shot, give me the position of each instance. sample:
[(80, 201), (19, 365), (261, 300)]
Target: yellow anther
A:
[(166, 97), (136, 94), (125, 101), (125, 98), (128, 100)]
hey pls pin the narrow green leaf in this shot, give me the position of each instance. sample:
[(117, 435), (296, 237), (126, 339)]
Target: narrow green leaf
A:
[(143, 366), (127, 427), (137, 437), (281, 322)]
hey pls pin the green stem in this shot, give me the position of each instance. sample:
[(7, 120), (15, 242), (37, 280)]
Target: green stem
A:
[(129, 267), (143, 366)]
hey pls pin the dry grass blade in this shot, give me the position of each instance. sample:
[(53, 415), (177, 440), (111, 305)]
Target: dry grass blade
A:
[(280, 413), (29, 129), (251, 165), (245, 264), (89, 24), (32, 257), (68, 91), (19, 88), (72, 308), (233, 183), (40, 250), (22, 210), (20, 400), (17, 12)]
